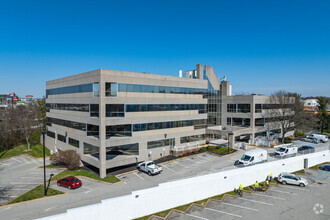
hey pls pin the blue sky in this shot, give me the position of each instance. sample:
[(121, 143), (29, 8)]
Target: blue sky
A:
[(261, 46)]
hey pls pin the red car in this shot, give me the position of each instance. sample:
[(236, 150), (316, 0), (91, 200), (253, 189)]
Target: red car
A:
[(70, 182)]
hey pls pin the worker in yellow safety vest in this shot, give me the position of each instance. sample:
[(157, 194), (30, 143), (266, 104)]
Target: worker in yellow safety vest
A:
[(240, 187), (256, 185), (271, 176), (267, 183)]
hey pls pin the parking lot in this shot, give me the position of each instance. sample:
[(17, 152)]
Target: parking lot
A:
[(19, 175), (278, 202), (199, 164)]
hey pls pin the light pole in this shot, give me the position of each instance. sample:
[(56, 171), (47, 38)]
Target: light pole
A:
[(43, 148)]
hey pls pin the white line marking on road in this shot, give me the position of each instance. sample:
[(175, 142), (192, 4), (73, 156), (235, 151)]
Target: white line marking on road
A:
[(290, 187), (4, 164), (138, 176), (227, 213), (16, 160), (25, 177), (194, 216), (25, 183), (124, 182), (279, 191), (86, 187), (18, 189), (180, 164), (46, 210), (274, 197), (168, 168), (9, 207), (243, 207), (251, 200)]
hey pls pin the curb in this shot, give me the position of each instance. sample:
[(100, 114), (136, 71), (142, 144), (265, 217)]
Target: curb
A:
[(33, 200)]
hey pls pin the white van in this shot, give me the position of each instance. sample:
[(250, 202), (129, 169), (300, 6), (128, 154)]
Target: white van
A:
[(252, 157), (286, 150), (320, 137)]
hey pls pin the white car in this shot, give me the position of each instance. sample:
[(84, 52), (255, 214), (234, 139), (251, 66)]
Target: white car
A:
[(288, 178), (310, 139), (149, 167)]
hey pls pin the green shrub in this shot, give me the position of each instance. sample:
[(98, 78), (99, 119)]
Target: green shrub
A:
[(202, 149), (287, 140), (299, 134)]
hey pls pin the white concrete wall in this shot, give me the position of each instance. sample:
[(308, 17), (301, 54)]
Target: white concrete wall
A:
[(176, 193)]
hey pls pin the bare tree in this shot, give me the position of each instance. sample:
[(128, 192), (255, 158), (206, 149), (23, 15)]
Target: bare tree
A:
[(27, 121), (286, 110)]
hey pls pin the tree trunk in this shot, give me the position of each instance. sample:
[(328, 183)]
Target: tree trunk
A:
[(28, 143)]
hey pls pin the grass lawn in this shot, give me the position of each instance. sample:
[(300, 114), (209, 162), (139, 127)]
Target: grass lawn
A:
[(299, 172), (36, 151), (36, 193), (316, 167), (52, 166), (109, 179)]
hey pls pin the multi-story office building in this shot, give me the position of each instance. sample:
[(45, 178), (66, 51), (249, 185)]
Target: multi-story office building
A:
[(116, 118)]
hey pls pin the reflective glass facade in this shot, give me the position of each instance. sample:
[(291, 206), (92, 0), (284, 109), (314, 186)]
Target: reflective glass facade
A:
[(70, 89), (160, 143), (74, 142), (122, 87), (169, 124), (111, 89), (68, 107), (50, 134), (213, 103), (91, 149), (127, 149), (192, 138), (61, 138)]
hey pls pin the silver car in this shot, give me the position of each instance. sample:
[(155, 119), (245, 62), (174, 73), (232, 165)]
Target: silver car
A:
[(288, 178)]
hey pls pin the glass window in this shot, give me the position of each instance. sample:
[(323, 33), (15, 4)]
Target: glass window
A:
[(231, 108), (127, 149), (74, 142), (243, 108), (229, 121), (50, 134), (96, 89), (130, 88), (93, 130), (159, 143), (111, 89), (94, 110), (192, 138), (91, 149), (115, 110), (137, 88), (258, 108), (124, 130), (122, 87), (61, 138)]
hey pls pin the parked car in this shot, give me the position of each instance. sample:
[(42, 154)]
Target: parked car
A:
[(252, 157), (310, 139), (70, 182), (325, 167), (288, 178), (286, 150), (306, 149), (149, 167), (320, 137)]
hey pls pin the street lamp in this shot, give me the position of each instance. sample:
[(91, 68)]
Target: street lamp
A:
[(43, 148)]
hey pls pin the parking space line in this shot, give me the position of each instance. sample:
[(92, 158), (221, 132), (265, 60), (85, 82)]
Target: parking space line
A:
[(180, 164), (16, 160), (168, 168), (26, 177), (194, 161), (86, 187), (279, 191), (274, 197), (25, 183), (243, 207), (138, 175), (204, 158), (320, 177), (290, 187), (194, 216), (227, 213), (251, 200), (46, 210), (4, 164)]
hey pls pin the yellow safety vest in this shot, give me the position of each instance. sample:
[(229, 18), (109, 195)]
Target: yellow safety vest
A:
[(241, 187), (256, 184), (267, 182)]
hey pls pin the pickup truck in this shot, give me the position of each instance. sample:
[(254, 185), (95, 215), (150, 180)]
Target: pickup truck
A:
[(149, 167)]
